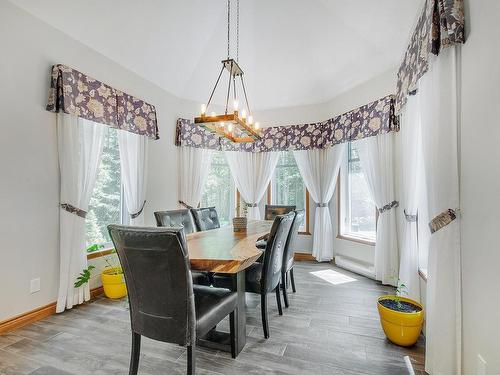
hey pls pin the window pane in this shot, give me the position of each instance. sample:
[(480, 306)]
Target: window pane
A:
[(288, 186), (219, 190), (105, 203), (361, 212)]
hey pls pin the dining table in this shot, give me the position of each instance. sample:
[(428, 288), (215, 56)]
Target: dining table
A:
[(226, 251)]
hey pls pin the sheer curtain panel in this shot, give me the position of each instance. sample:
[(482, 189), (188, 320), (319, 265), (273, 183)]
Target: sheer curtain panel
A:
[(79, 149), (319, 168), (134, 163), (411, 176), (252, 172), (377, 158), (194, 165), (439, 109)]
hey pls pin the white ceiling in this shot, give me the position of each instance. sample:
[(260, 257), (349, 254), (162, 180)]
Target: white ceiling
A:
[(293, 52)]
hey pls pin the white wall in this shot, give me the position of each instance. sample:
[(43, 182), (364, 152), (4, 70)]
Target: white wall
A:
[(29, 193), (480, 186)]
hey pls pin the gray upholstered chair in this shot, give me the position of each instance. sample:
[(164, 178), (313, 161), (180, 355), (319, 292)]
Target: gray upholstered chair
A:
[(288, 255), (263, 278), (182, 219), (205, 218), (164, 304)]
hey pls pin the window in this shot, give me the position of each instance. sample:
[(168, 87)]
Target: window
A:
[(219, 189), (287, 186), (106, 202), (358, 214)]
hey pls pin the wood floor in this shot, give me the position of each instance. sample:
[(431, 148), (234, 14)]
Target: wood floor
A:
[(330, 328)]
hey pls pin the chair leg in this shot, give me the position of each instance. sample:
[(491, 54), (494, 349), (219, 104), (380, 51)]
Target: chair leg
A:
[(191, 365), (278, 299), (292, 279), (136, 353), (232, 334), (285, 293), (263, 310)]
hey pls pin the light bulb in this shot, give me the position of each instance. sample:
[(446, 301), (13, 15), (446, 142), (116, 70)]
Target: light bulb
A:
[(203, 109), (229, 127), (250, 120), (235, 105), (212, 114), (243, 114), (257, 126)]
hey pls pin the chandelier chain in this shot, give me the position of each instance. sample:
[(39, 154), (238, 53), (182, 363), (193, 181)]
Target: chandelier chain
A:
[(237, 30), (228, 25)]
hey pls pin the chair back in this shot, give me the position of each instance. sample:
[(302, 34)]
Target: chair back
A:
[(175, 218), (273, 256), (291, 241), (272, 210), (205, 218), (155, 263)]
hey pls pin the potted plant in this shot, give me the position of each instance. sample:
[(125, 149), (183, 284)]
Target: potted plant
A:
[(112, 278), (240, 222), (401, 318)]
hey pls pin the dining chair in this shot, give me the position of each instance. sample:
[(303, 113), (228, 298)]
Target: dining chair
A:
[(182, 218), (288, 255), (205, 218), (272, 210), (164, 304), (263, 278)]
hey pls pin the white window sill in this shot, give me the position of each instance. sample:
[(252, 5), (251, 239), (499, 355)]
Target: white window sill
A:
[(362, 240)]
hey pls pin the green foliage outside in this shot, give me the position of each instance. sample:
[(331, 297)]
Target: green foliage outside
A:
[(289, 188), (105, 202)]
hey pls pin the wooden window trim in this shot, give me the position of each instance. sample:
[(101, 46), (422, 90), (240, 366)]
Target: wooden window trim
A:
[(100, 254)]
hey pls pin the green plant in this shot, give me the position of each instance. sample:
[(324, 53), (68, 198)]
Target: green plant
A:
[(117, 269), (95, 247), (84, 277), (401, 289)]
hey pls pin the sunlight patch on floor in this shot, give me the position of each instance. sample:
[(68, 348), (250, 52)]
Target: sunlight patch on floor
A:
[(333, 277)]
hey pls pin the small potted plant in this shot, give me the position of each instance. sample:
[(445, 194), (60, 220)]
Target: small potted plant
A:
[(112, 277), (401, 318), (240, 222)]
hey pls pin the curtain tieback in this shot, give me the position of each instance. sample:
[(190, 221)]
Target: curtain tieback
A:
[(252, 205), (443, 219), (321, 204), (388, 206), (74, 210), (133, 216), (410, 218)]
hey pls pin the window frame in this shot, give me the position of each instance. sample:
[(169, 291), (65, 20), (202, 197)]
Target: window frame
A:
[(342, 181)]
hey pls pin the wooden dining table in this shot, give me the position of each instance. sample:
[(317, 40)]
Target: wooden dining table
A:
[(225, 251)]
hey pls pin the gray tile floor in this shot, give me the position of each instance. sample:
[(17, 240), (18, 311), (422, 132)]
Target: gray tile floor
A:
[(330, 328)]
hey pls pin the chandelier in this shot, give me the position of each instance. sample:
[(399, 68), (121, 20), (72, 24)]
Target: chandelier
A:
[(233, 125)]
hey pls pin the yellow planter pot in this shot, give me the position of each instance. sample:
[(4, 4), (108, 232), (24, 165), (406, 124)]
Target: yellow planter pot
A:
[(114, 285), (400, 327)]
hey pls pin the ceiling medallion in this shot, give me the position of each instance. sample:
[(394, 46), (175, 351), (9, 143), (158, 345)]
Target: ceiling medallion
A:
[(235, 126)]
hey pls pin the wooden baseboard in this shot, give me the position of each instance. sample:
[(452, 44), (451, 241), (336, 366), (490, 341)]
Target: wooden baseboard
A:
[(40, 313), (299, 257)]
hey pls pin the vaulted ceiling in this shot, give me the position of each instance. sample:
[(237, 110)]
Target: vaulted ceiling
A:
[(293, 52)]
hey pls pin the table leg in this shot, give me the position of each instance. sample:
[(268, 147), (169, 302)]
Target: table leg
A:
[(240, 316), (221, 340)]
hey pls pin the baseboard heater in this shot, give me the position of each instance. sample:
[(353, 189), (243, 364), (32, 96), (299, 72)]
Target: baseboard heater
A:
[(355, 266)]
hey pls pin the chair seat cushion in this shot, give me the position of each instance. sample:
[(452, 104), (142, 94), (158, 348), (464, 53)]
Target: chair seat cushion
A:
[(211, 305), (201, 278), (252, 279)]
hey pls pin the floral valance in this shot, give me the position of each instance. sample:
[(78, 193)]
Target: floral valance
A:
[(75, 93), (440, 25), (366, 121)]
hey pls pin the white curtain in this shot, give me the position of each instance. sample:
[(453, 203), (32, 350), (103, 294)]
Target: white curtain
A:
[(194, 166), (319, 169), (377, 159), (411, 175), (79, 149), (133, 161), (252, 172), (439, 111)]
